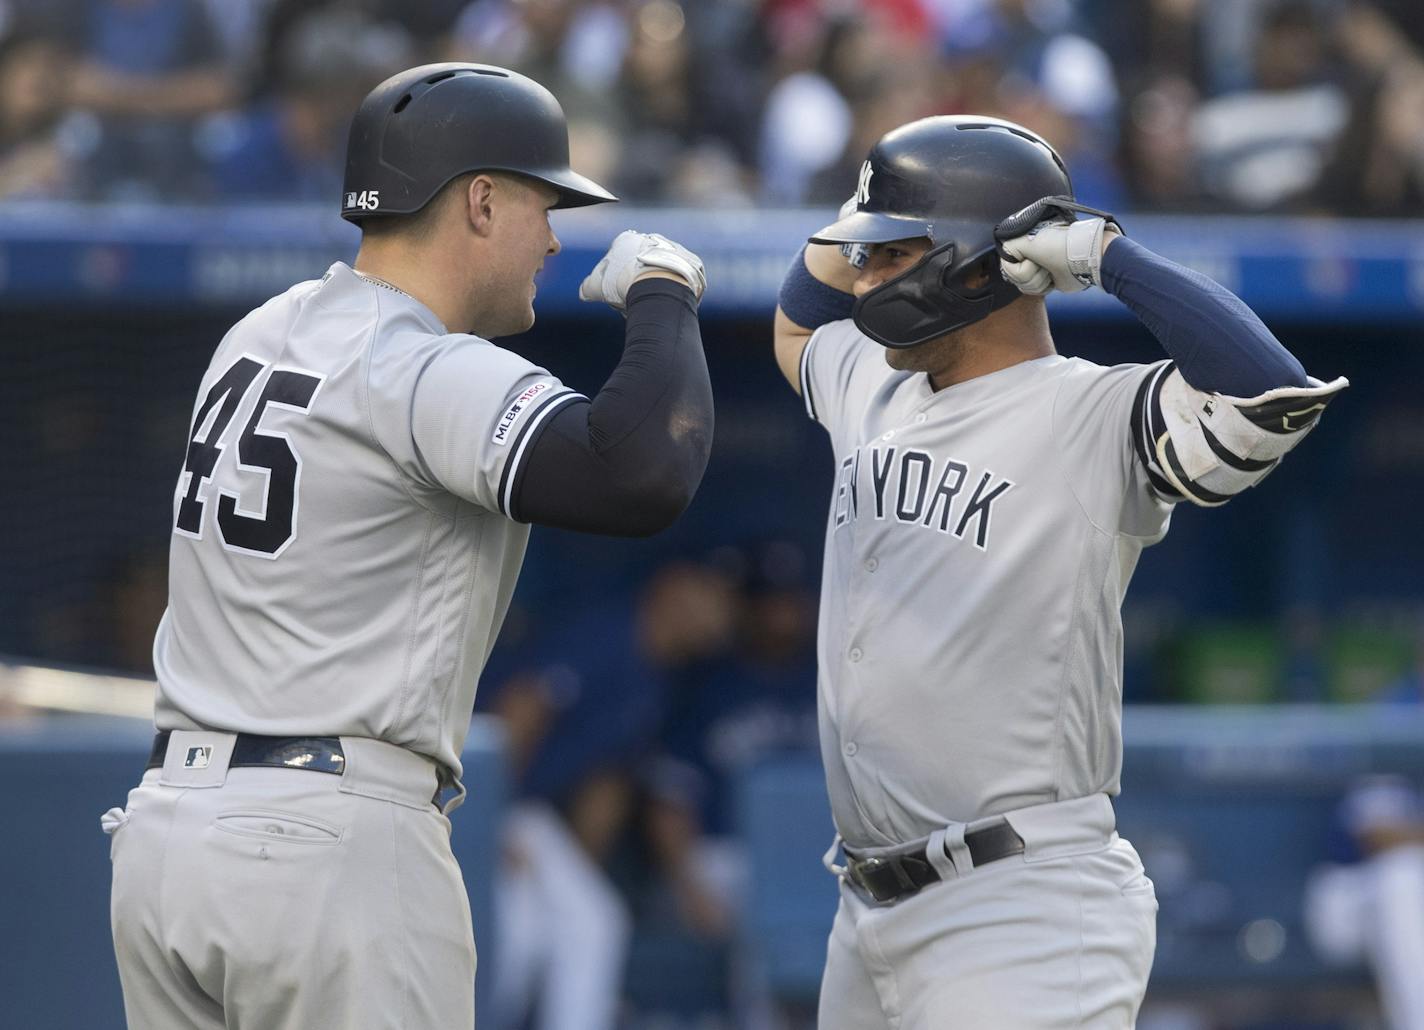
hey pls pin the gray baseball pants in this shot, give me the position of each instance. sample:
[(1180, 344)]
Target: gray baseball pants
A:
[(287, 899), (1058, 938)]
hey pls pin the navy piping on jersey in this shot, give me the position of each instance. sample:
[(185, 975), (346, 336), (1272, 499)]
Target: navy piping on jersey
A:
[(805, 375), (523, 443), (1148, 425)]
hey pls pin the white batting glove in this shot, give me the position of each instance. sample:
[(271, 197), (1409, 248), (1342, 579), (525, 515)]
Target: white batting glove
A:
[(1055, 252), (634, 253)]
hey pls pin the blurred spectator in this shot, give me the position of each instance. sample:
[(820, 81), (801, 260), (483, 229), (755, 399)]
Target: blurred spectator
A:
[(1170, 105), (1152, 39), (684, 899), (1060, 84), (1158, 153), (1371, 908), (427, 23), (808, 118), (146, 70), (575, 49), (1264, 148), (895, 83), (33, 161), (679, 145), (291, 144), (1378, 163), (607, 675), (1368, 905), (763, 701), (581, 723), (686, 874)]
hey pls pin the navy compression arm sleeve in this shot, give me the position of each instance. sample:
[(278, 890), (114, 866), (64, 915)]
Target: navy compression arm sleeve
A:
[(628, 462), (1218, 343)]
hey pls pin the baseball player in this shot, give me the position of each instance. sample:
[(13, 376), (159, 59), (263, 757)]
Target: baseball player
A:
[(990, 503), (350, 519)]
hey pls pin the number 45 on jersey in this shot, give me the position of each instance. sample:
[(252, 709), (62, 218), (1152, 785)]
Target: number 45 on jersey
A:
[(266, 531)]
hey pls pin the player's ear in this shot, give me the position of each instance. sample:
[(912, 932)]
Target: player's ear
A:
[(479, 196)]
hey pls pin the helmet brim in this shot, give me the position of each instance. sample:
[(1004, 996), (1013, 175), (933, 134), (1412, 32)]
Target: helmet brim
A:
[(575, 190), (873, 227)]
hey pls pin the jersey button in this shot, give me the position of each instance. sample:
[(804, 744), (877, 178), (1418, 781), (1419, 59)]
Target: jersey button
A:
[(888, 436), (851, 748), (921, 417), (856, 654), (871, 564)]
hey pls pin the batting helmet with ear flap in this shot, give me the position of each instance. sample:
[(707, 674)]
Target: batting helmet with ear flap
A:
[(952, 179), (419, 129)]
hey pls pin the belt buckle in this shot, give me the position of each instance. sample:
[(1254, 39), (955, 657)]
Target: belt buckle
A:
[(860, 867)]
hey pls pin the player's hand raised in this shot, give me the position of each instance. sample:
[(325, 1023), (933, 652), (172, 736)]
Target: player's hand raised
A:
[(1045, 246), (633, 254)]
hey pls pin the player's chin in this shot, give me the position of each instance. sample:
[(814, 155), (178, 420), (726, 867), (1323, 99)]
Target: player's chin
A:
[(902, 359)]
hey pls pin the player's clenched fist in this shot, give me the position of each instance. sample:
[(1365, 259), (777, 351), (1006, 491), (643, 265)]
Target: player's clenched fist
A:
[(1043, 248), (634, 253)]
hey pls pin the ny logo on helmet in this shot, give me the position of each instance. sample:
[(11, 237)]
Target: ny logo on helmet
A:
[(862, 188)]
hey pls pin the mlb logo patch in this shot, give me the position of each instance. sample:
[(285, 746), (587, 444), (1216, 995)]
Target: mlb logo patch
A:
[(197, 758), (350, 200)]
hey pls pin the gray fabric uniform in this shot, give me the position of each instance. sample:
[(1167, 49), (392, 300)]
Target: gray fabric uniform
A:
[(342, 560), (978, 546), (378, 614)]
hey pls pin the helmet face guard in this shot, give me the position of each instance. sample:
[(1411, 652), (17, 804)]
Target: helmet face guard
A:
[(951, 179), (930, 299)]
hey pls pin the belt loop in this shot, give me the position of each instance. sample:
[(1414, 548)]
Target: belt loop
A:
[(829, 859), (957, 849), (455, 800), (937, 854)]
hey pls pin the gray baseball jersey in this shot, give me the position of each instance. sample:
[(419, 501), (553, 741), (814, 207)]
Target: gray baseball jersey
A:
[(342, 556), (978, 546)]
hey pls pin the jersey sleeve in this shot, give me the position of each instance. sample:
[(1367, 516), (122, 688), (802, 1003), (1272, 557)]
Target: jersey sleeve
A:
[(459, 414), (839, 367), (1099, 419)]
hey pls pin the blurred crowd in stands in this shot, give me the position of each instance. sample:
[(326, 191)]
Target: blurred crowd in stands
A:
[(630, 726), (1176, 105)]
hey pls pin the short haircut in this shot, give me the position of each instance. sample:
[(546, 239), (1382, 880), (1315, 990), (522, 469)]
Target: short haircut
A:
[(418, 225)]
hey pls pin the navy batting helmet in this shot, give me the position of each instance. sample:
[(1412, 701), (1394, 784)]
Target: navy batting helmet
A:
[(952, 179), (419, 129)]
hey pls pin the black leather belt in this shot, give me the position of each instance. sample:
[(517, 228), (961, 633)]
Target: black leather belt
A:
[(317, 754), (889, 878)]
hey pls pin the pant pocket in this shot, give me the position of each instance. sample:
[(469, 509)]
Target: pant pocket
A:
[(265, 824)]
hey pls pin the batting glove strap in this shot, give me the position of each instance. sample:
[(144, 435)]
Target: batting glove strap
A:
[(634, 253), (1045, 246)]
